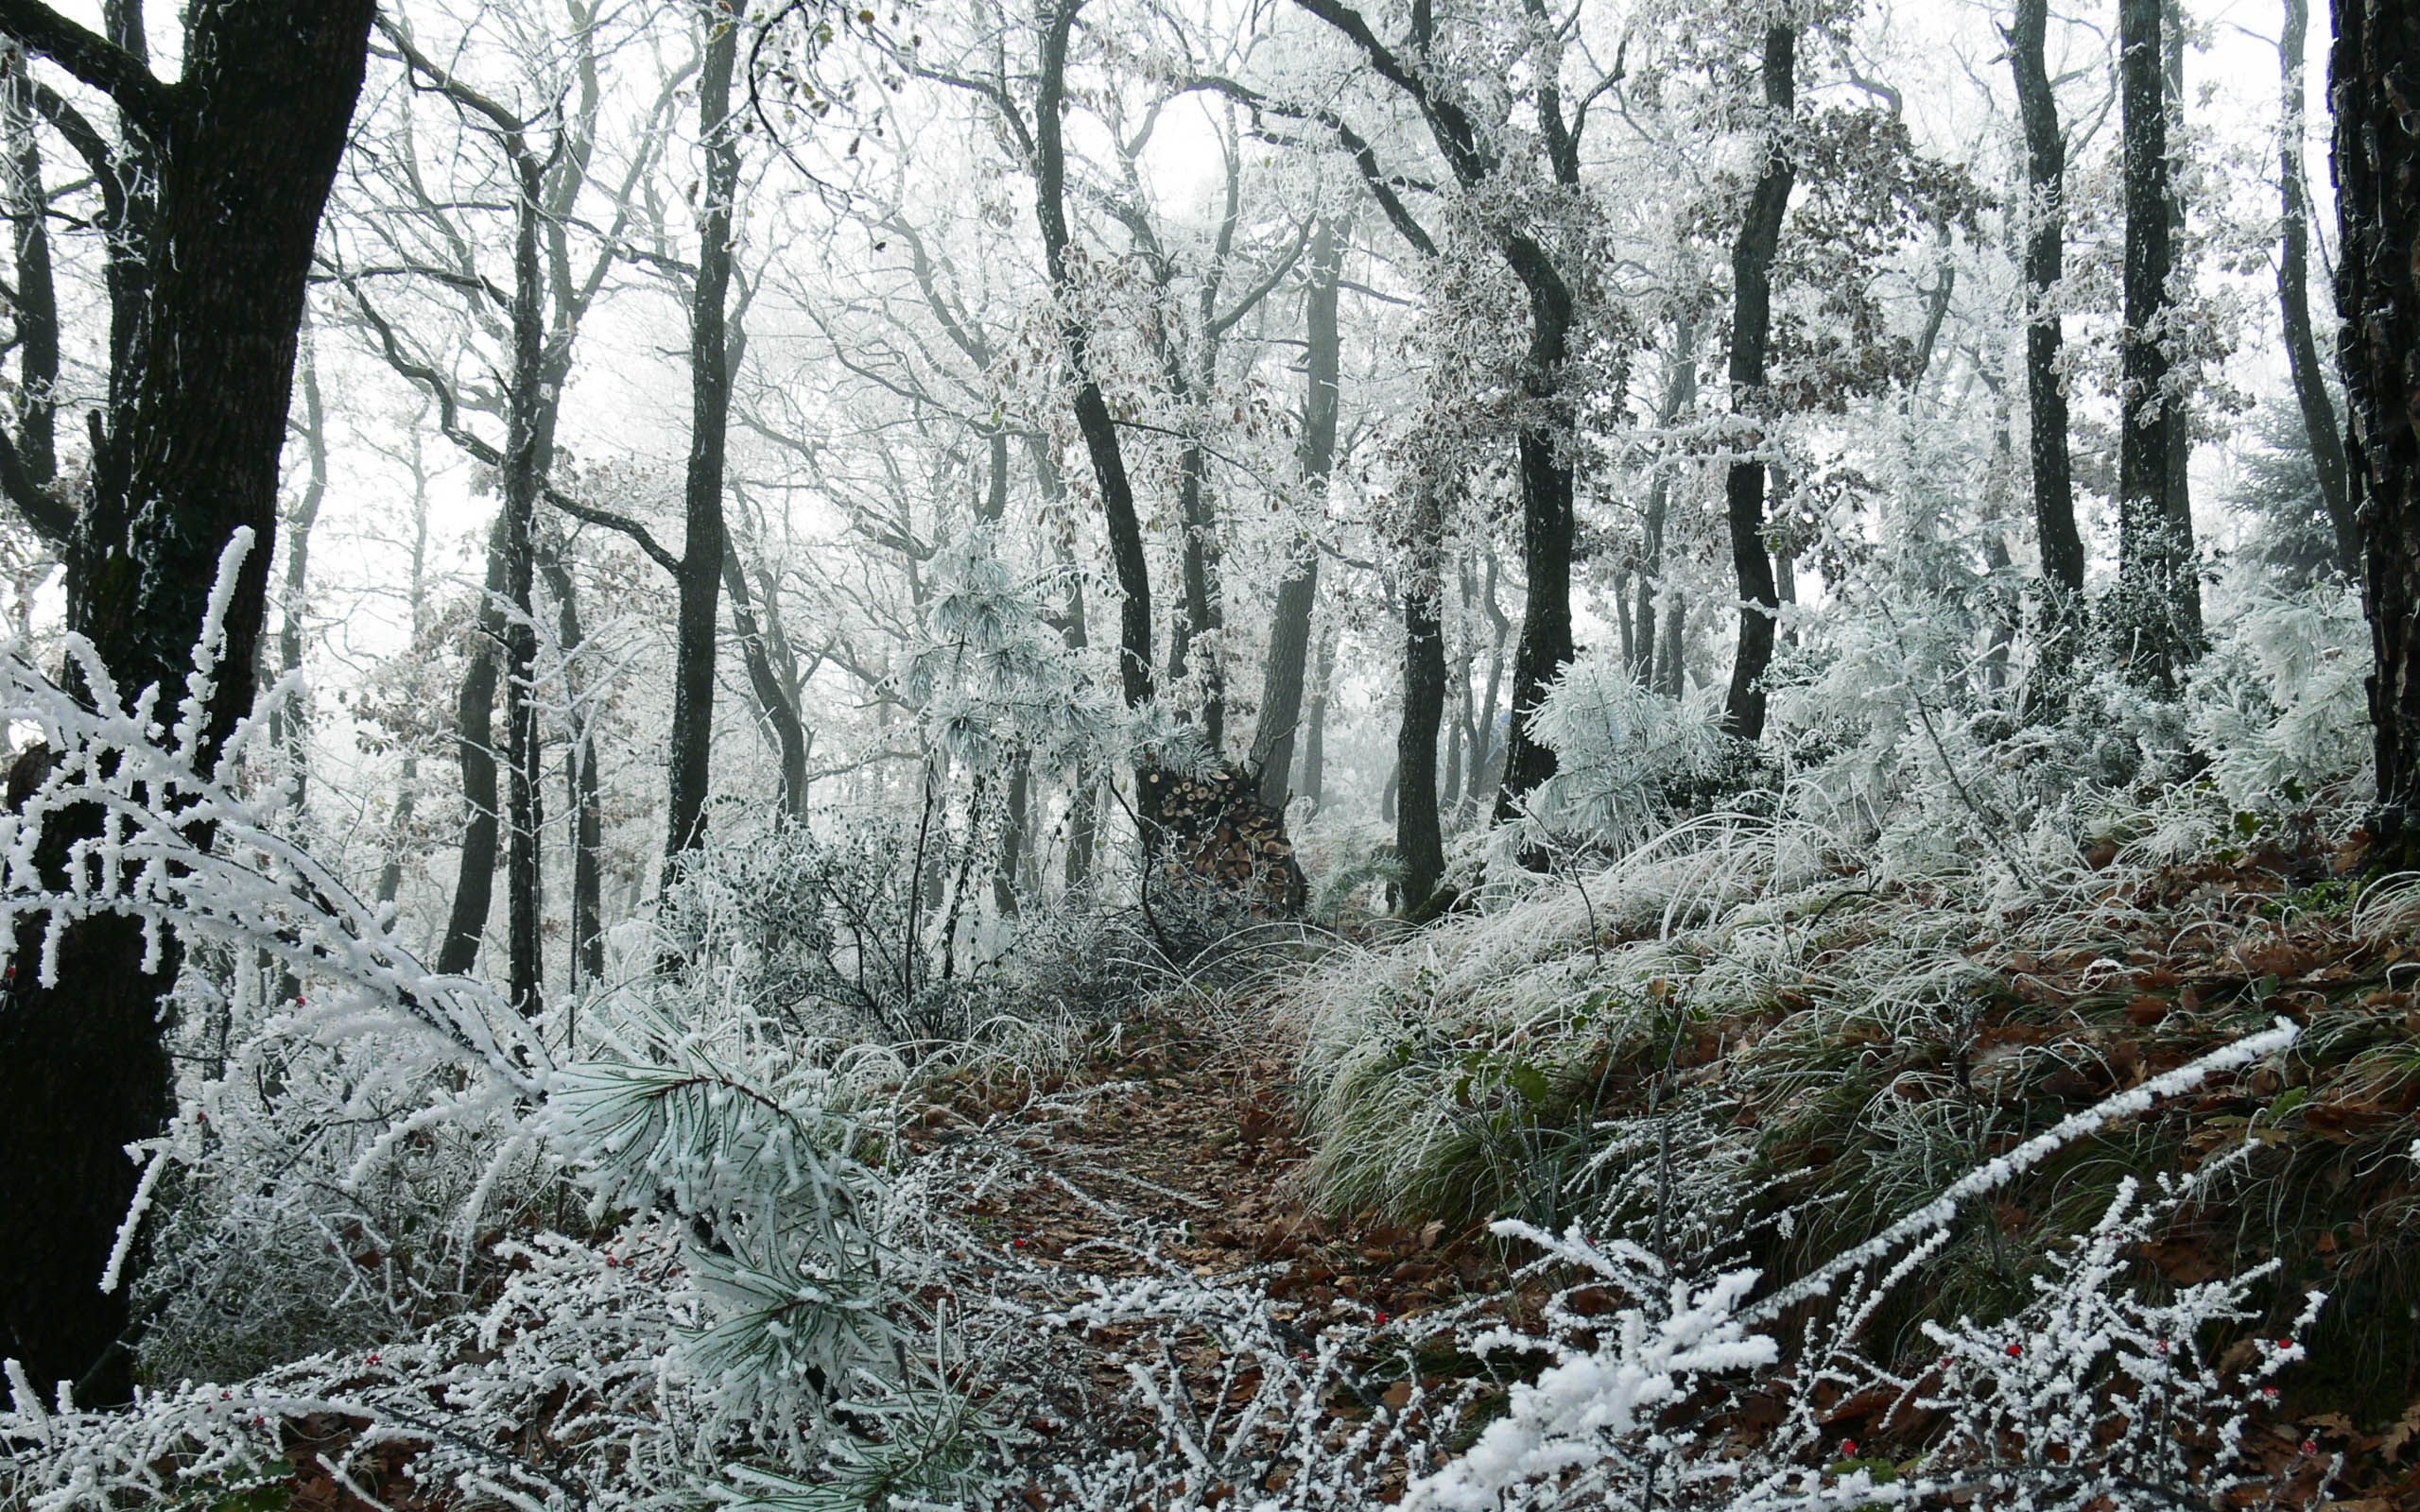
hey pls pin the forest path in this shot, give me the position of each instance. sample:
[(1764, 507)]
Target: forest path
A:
[(1172, 1156), (1181, 1144)]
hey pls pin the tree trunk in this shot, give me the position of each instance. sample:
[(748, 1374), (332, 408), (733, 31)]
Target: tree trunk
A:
[(1484, 746), (243, 150), (287, 729), (774, 702), (2180, 447), (1420, 842), (1545, 436), (1679, 393), (474, 750), (1289, 630), (1007, 871), (580, 784), (2045, 395), (1197, 564), (702, 551), (2293, 299), (527, 410), (1624, 624), (1315, 738), (2370, 72), (390, 873), (1075, 633), (1547, 486), (35, 306), (1752, 264), (1092, 409), (1673, 669), (2157, 616)]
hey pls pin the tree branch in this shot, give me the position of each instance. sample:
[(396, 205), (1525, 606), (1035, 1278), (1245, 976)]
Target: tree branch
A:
[(449, 421), (1364, 157), (115, 72), (52, 518)]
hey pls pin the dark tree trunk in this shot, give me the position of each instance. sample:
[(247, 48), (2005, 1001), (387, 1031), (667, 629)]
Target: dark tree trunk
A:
[(242, 150), (1092, 410), (504, 642), (1449, 782), (774, 702), (1009, 879), (36, 307), (1197, 570), (466, 923), (1289, 630), (1672, 669), (1420, 842), (1075, 633), (2293, 299), (1752, 266), (1007, 872), (1679, 393), (1485, 745), (2046, 394), (1545, 437), (581, 784), (2372, 74), (1547, 484), (1313, 785), (2158, 613), (528, 411), (1624, 633), (702, 552)]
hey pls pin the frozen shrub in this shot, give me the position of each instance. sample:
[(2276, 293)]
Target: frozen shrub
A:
[(1622, 753), (2279, 707)]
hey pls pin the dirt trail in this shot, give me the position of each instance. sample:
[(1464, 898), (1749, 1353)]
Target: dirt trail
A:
[(1183, 1141)]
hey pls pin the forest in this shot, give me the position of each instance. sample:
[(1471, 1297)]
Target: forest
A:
[(1291, 755)]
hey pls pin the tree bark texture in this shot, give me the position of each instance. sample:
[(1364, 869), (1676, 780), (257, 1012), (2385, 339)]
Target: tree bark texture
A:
[(2374, 74), (701, 557), (2293, 299), (2157, 617), (243, 150), (1752, 265), (1093, 419), (2046, 394), (1289, 630), (1420, 842)]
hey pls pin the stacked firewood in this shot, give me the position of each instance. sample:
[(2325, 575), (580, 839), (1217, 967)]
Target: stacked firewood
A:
[(1215, 830)]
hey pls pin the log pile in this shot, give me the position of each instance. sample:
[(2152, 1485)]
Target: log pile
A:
[(1215, 830)]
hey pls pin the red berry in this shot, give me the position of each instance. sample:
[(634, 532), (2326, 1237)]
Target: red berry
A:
[(374, 1359), (2309, 1447), (1382, 1317), (1848, 1449), (2285, 1343), (2269, 1393), (2161, 1345), (2014, 1350)]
